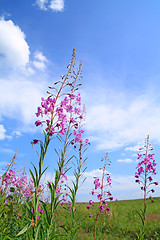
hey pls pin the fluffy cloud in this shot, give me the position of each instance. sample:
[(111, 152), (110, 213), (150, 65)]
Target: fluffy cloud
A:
[(126, 160), (19, 99), (133, 148), (20, 93), (14, 50), (40, 61), (54, 5), (57, 5), (115, 122), (2, 132)]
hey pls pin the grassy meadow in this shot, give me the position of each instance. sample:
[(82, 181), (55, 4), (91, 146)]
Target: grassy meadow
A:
[(122, 222)]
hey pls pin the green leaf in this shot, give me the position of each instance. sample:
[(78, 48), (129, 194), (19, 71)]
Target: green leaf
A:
[(33, 177), (66, 230), (8, 238), (35, 172), (24, 229)]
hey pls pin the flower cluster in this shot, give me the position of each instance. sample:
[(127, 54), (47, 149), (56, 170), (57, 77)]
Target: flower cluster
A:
[(40, 211), (145, 169), (18, 184), (103, 207), (57, 115)]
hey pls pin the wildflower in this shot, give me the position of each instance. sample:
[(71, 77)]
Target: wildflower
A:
[(35, 141), (38, 122), (150, 179), (99, 196), (91, 202), (146, 167), (139, 156), (92, 192)]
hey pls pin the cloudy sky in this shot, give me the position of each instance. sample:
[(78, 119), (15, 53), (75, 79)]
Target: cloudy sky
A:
[(118, 42)]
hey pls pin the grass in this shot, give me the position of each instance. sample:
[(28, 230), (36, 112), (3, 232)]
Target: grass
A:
[(122, 222)]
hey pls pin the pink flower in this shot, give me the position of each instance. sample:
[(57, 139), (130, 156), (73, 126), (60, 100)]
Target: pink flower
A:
[(38, 122), (78, 99), (92, 192), (87, 140), (72, 96), (35, 141), (91, 202), (139, 156)]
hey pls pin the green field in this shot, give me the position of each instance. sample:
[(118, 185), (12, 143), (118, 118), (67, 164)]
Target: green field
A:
[(122, 222)]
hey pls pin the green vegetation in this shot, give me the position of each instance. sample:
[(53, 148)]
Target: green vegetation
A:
[(122, 222)]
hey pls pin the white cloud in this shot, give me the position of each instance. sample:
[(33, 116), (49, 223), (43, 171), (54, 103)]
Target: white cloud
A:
[(40, 61), (94, 173), (54, 5), (2, 132), (19, 99), (41, 4), (20, 93), (57, 5), (115, 121), (14, 50), (16, 133), (126, 160), (40, 57), (133, 149)]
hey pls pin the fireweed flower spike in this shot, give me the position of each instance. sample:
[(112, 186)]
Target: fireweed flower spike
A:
[(102, 195), (144, 174)]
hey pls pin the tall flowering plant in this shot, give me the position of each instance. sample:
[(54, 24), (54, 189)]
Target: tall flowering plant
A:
[(59, 115), (146, 169), (100, 191), (80, 146)]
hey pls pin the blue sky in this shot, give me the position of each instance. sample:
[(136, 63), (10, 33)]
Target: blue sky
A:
[(118, 42)]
